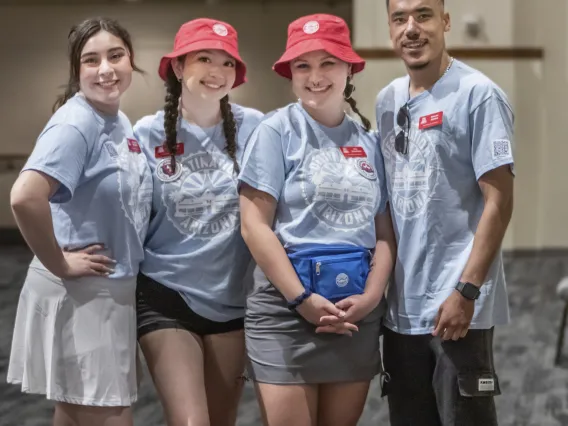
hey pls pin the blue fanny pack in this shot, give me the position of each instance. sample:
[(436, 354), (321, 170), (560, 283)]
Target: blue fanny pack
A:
[(332, 271)]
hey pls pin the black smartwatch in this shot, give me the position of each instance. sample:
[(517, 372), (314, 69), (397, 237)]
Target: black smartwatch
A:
[(468, 290)]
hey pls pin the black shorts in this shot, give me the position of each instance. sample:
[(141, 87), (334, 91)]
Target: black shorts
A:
[(159, 307), (435, 383)]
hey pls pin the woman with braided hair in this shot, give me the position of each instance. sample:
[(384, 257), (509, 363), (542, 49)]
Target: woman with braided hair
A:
[(191, 289), (315, 217)]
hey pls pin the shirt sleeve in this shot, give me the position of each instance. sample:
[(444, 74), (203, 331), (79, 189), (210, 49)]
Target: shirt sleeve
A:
[(491, 125), (381, 175), (61, 153), (263, 165)]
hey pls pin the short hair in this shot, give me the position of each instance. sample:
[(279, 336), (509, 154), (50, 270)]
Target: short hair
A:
[(388, 3)]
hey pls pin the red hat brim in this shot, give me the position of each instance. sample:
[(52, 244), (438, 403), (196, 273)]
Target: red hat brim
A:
[(344, 53), (241, 69)]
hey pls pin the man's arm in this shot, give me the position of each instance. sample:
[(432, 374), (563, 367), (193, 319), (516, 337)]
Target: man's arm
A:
[(455, 314), (497, 188)]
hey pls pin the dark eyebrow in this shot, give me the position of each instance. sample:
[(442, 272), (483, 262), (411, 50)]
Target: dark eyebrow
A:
[(112, 50), (423, 9), (419, 10), (116, 49), (321, 60), (210, 52)]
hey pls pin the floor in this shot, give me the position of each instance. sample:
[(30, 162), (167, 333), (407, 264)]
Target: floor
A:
[(535, 393)]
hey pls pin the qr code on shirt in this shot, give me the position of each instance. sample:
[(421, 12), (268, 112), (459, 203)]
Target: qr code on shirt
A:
[(501, 149)]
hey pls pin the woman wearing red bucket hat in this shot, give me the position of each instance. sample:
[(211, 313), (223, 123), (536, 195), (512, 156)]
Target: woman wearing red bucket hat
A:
[(190, 295), (314, 215)]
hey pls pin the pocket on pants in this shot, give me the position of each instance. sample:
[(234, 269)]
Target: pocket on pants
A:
[(474, 384)]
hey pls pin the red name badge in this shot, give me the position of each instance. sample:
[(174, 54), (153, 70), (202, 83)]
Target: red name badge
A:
[(431, 120), (133, 145), (162, 151), (353, 152)]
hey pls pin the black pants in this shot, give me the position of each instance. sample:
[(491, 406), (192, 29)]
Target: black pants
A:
[(436, 383), (159, 307)]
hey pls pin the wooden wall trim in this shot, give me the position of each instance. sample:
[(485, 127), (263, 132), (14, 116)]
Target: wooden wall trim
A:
[(12, 162), (467, 53), (8, 157)]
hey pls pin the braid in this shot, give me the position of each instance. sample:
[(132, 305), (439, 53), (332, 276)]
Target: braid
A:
[(171, 113), (364, 120), (349, 89), (230, 130)]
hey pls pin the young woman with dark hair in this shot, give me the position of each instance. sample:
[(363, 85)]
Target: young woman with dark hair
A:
[(82, 202), (191, 290)]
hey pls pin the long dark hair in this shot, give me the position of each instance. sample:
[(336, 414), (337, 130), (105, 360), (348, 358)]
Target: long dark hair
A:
[(77, 38), (171, 114), (348, 95)]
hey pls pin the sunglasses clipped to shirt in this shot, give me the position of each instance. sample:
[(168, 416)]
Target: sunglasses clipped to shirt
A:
[(403, 121)]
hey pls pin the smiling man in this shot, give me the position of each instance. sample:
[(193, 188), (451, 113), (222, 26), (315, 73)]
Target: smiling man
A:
[(446, 137)]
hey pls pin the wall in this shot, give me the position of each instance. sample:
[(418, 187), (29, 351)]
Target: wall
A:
[(33, 51), (32, 43), (537, 90)]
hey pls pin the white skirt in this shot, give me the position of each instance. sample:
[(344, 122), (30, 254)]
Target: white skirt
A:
[(75, 340)]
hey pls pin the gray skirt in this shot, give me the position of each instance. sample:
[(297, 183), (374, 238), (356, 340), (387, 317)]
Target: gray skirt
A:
[(284, 348)]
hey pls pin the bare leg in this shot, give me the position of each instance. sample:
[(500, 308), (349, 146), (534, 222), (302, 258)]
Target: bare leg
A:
[(276, 402), (224, 366), (341, 404), (81, 415), (61, 417), (176, 362)]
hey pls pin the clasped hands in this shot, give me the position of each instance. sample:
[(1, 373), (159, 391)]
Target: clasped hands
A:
[(340, 317)]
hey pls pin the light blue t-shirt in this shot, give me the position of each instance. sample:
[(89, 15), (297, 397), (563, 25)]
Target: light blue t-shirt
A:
[(328, 182), (194, 242), (106, 186), (461, 129)]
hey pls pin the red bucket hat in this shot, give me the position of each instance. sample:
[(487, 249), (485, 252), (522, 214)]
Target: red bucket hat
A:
[(318, 32), (204, 34)]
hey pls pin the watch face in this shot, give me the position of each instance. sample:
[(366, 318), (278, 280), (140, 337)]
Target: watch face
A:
[(470, 291)]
